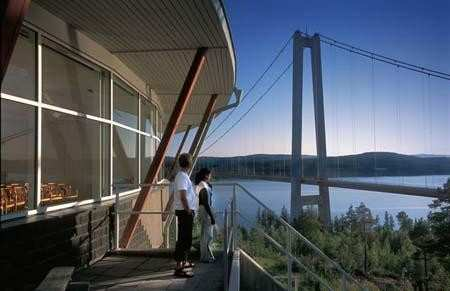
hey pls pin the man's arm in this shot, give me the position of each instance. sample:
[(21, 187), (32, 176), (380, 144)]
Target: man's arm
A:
[(183, 195)]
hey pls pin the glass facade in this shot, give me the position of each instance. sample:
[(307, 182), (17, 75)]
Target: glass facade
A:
[(72, 84), (73, 138), (148, 148), (20, 78), (148, 115), (125, 157), (125, 104), (73, 155), (18, 153)]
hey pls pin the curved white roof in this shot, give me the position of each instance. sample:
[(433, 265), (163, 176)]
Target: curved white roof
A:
[(157, 40)]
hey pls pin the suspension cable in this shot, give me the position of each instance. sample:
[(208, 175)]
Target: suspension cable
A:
[(385, 59), (277, 56), (250, 109), (374, 118), (370, 56)]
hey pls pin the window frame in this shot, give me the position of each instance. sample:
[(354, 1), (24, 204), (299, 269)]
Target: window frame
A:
[(55, 47), (117, 81), (84, 59)]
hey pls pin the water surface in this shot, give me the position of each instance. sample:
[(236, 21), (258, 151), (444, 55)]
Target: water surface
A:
[(277, 194)]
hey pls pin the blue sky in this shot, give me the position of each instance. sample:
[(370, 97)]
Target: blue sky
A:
[(368, 106)]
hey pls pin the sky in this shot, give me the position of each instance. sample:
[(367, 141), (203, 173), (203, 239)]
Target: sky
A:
[(369, 106)]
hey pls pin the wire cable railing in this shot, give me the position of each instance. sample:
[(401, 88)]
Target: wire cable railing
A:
[(234, 221), (284, 247)]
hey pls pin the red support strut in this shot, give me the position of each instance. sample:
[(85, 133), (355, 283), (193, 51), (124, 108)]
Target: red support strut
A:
[(12, 15), (174, 120), (202, 126)]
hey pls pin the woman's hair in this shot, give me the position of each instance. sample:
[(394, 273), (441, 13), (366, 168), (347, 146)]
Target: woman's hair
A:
[(201, 175)]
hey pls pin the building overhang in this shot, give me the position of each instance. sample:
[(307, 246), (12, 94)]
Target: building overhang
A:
[(157, 41)]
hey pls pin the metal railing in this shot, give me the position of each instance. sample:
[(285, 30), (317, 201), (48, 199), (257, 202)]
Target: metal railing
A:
[(232, 213), (166, 215), (230, 236)]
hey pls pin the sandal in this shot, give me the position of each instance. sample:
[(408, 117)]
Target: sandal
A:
[(188, 265), (183, 274)]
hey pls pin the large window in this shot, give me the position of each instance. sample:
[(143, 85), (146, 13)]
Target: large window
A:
[(125, 104), (148, 115), (72, 149), (18, 148), (74, 158), (73, 84), (157, 125), (125, 156), (147, 154), (21, 74)]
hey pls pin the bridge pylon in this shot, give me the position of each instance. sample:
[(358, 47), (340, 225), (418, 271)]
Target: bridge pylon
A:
[(300, 42)]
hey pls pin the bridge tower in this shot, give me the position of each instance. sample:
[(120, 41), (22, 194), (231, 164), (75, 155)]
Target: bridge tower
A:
[(323, 199)]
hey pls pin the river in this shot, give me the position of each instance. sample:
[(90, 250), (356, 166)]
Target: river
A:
[(277, 194)]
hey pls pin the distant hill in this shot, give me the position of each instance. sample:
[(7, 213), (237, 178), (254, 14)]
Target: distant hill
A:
[(365, 164)]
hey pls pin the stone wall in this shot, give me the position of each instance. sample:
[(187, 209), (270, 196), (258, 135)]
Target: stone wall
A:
[(31, 246)]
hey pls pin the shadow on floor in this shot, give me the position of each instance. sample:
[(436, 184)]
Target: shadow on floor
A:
[(118, 272)]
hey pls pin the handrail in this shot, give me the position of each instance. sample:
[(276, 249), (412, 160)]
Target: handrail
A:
[(304, 239), (168, 223), (146, 212), (288, 254), (140, 185), (230, 240), (231, 213)]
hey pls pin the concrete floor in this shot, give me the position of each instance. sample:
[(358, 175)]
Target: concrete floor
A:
[(118, 272)]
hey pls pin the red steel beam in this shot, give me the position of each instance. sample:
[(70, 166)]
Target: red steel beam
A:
[(195, 143), (174, 120), (12, 15), (180, 147)]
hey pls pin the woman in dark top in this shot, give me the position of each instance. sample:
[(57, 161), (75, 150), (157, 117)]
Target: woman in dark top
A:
[(204, 191)]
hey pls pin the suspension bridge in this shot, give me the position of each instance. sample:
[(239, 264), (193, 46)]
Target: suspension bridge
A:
[(346, 112)]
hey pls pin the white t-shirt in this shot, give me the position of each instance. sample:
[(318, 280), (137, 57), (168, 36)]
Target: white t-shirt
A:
[(182, 182)]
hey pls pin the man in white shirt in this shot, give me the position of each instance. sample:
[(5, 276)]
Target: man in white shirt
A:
[(185, 206)]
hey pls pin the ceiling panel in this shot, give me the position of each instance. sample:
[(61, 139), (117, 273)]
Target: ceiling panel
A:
[(158, 40)]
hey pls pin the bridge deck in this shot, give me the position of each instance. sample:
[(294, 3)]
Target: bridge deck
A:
[(118, 272)]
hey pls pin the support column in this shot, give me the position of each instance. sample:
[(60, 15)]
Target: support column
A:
[(172, 124), (195, 146), (296, 156), (324, 199), (202, 140), (172, 172), (12, 15)]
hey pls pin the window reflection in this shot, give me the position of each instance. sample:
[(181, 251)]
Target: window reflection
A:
[(18, 136), (74, 158), (72, 84), (21, 73), (125, 159), (125, 104), (147, 154), (156, 126), (76, 152), (148, 113)]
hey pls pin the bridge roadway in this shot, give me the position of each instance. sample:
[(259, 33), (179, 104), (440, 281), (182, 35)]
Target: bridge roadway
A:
[(356, 185)]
